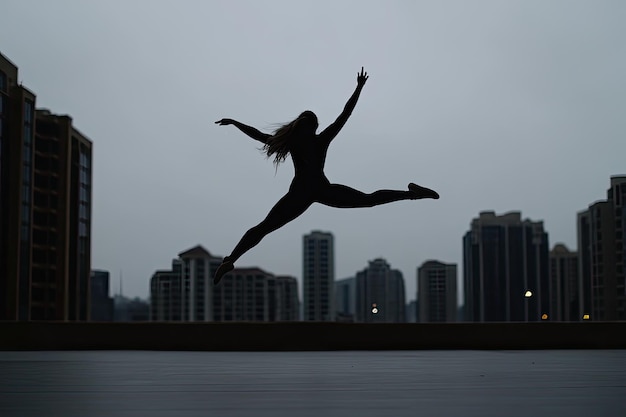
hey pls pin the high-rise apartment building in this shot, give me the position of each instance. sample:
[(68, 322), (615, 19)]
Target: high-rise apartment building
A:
[(288, 301), (166, 294), (506, 269), (198, 269), (246, 294), (61, 255), (45, 208), (602, 254), (186, 292), (380, 296), (565, 286), (318, 272), (17, 137), (436, 292)]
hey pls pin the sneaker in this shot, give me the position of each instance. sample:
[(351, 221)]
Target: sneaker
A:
[(423, 192), (222, 270)]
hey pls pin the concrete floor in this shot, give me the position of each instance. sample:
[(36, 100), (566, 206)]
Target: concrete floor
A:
[(551, 383)]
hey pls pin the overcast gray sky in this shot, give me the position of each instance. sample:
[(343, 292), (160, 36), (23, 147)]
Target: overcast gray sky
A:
[(497, 105)]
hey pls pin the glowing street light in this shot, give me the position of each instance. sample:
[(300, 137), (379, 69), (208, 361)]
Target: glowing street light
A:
[(374, 309), (528, 294)]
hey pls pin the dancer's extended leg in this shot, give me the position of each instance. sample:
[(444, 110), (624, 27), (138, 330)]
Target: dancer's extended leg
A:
[(290, 206), (342, 196)]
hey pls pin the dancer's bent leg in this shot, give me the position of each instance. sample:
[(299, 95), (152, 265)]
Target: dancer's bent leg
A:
[(288, 208)]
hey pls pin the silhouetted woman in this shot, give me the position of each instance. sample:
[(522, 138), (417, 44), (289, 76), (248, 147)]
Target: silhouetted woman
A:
[(309, 185)]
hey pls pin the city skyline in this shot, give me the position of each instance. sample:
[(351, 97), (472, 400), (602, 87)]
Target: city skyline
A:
[(518, 111), (511, 275)]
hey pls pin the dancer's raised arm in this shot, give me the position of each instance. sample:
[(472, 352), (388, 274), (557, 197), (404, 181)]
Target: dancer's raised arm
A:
[(248, 130), (333, 129)]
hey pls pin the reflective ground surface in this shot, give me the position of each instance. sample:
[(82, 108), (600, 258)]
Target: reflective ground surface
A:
[(382, 384)]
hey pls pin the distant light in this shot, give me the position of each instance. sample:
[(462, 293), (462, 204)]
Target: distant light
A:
[(528, 294), (544, 316), (374, 310), (585, 316)]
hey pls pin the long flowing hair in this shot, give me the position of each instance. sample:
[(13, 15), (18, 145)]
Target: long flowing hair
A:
[(279, 144)]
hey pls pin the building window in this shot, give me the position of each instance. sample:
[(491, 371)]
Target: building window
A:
[(25, 194), (28, 133), (82, 229), (27, 155), (28, 111), (26, 174), (3, 82)]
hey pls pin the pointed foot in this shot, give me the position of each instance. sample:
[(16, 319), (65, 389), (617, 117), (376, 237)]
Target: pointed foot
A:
[(222, 270), (422, 192)]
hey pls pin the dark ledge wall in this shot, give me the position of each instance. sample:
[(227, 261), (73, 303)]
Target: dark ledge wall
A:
[(297, 336)]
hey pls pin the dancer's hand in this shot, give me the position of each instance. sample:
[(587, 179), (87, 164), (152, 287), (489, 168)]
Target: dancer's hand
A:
[(225, 122), (361, 78)]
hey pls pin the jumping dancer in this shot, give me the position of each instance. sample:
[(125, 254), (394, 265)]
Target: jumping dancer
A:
[(309, 185)]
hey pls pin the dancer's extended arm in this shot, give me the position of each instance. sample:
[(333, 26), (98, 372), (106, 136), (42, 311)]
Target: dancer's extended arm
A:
[(333, 129), (248, 130)]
